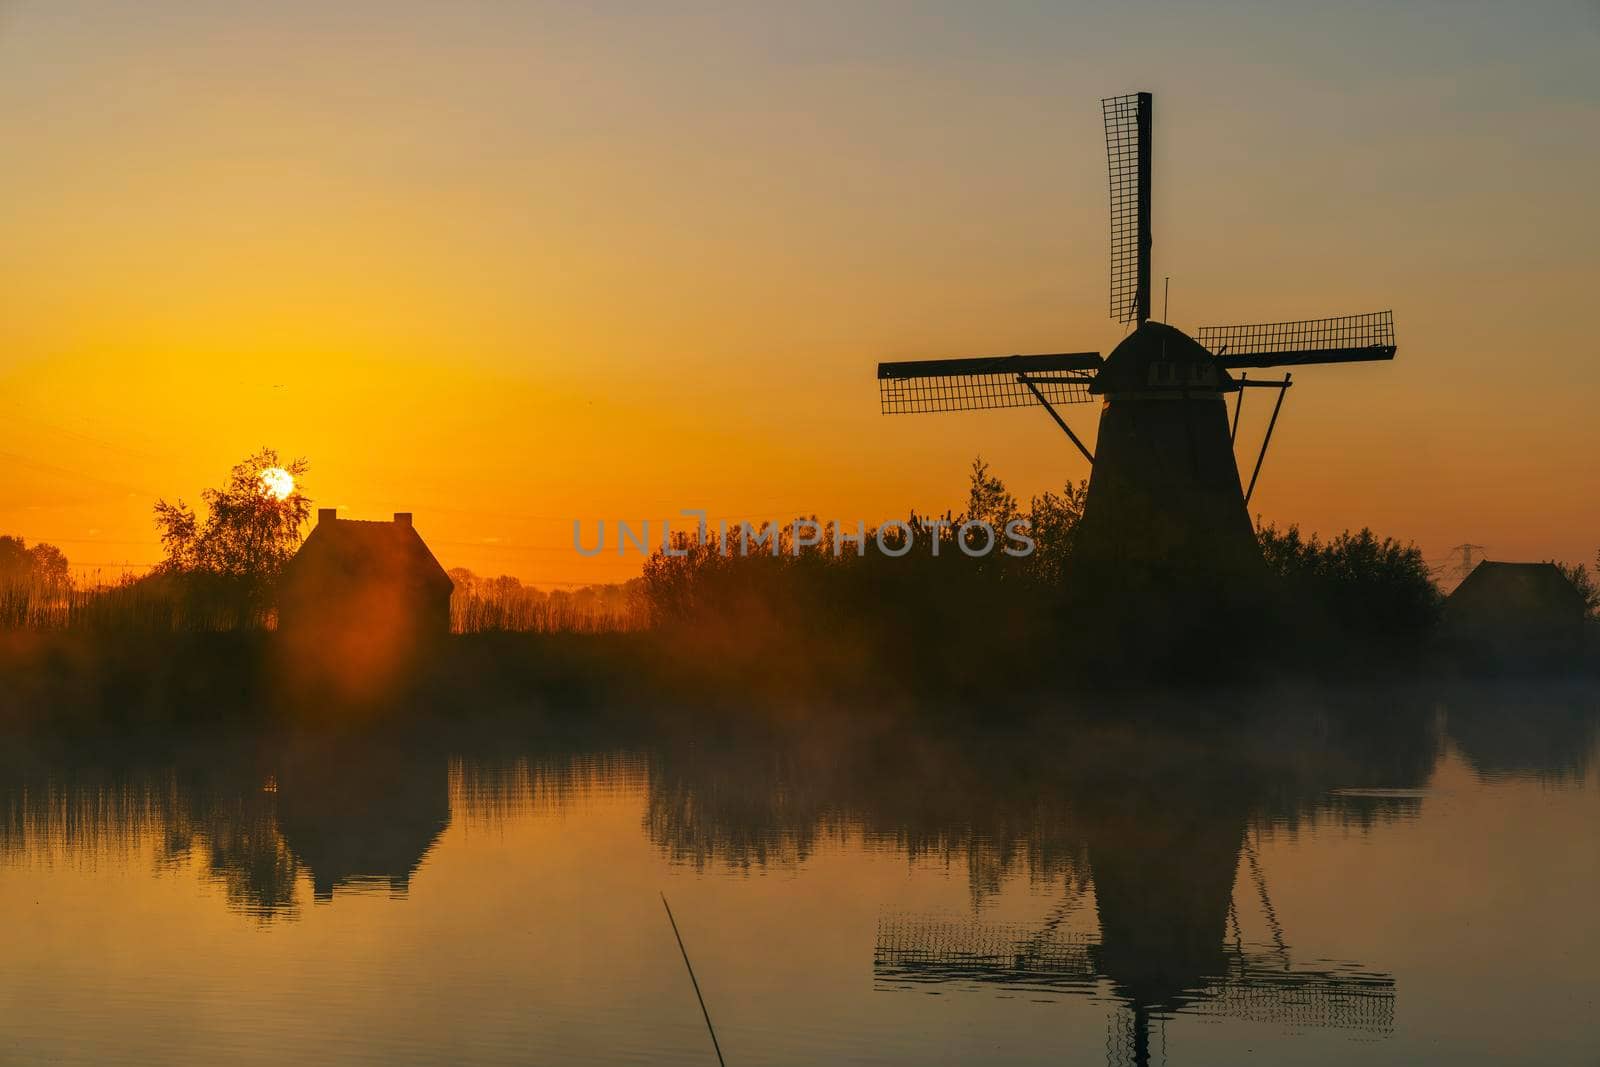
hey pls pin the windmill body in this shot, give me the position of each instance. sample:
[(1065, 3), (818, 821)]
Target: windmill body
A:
[(1164, 489)]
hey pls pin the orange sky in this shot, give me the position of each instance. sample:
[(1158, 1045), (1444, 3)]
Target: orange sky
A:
[(509, 265)]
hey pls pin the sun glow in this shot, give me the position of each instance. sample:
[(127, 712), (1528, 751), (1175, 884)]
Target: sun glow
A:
[(276, 483)]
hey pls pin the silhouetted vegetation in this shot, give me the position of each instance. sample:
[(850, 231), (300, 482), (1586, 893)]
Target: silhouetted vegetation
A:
[(35, 584), (942, 613), (1361, 591), (43, 564), (505, 604), (799, 607), (220, 568), (918, 597), (1587, 584)]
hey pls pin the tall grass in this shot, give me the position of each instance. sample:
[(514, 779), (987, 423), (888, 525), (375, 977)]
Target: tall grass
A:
[(505, 605), (155, 603), (168, 604), (199, 602), (33, 605)]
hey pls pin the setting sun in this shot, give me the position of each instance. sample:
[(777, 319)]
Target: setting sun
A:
[(276, 483)]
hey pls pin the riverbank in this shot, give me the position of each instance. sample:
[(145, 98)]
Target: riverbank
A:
[(69, 682)]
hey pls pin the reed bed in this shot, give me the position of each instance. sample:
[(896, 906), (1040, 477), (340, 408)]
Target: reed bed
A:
[(506, 607), (164, 604), (152, 604)]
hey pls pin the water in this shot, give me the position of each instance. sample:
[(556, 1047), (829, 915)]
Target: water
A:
[(1414, 885)]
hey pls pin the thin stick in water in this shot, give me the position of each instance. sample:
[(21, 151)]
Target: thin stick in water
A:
[(690, 967)]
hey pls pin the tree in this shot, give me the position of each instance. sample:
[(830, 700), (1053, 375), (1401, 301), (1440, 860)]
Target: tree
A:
[(43, 565), (1583, 580), (1377, 591), (15, 566), (987, 498), (249, 532), (1053, 523), (49, 566)]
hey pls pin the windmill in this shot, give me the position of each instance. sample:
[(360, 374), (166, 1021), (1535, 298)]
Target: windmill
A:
[(1164, 490)]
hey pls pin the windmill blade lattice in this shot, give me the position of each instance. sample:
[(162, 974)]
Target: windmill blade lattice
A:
[(1255, 984), (984, 383), (1127, 121), (1344, 339)]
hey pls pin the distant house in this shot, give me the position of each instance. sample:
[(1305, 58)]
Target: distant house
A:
[(365, 583), (1516, 615)]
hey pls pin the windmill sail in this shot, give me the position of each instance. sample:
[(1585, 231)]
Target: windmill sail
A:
[(985, 382), (1346, 339), (1128, 120)]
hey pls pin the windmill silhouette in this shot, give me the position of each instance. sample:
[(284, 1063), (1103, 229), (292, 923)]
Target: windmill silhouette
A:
[(1164, 490)]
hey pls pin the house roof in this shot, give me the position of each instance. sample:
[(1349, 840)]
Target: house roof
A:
[(389, 552), (1516, 585)]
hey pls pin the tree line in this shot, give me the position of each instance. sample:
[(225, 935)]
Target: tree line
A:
[(221, 563)]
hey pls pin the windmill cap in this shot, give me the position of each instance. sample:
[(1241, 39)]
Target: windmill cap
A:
[(1158, 356)]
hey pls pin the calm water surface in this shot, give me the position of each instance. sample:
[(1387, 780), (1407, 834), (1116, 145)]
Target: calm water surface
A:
[(1419, 885)]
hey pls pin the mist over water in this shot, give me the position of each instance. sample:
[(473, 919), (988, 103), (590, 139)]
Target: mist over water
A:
[(1382, 875)]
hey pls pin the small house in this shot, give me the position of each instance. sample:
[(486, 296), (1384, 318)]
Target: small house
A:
[(363, 595), (1516, 615)]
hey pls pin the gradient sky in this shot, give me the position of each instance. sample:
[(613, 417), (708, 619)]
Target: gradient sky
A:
[(509, 264)]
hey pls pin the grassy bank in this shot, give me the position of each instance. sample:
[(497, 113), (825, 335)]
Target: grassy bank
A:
[(72, 683)]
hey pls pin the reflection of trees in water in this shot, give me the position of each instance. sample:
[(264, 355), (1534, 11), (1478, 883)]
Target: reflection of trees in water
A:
[(740, 806), (490, 790), (1009, 801), (768, 802), (85, 816), (1116, 799), (1349, 767), (252, 823), (243, 851), (343, 815)]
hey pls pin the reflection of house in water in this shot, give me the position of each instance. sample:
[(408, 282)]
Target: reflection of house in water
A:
[(1516, 615), (361, 817), (1525, 731), (254, 823)]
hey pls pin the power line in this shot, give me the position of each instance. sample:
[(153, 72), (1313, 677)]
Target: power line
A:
[(1465, 564), (69, 472), (14, 412)]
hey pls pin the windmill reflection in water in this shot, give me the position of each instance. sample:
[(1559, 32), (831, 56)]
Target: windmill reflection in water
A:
[(1170, 946)]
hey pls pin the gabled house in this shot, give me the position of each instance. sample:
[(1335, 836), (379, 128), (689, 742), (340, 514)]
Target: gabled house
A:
[(1516, 615), (364, 588)]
